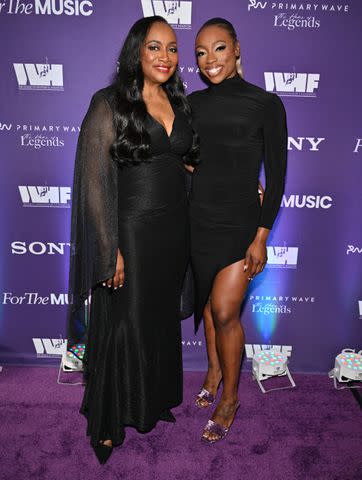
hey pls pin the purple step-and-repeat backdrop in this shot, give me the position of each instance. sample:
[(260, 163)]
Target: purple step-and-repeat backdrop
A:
[(56, 54)]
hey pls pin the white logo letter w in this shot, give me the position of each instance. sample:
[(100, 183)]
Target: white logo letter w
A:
[(39, 74), (173, 12)]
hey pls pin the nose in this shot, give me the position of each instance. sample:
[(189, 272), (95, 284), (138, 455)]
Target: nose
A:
[(164, 55), (210, 58)]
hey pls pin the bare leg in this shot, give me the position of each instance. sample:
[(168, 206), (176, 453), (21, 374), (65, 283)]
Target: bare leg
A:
[(213, 375), (226, 298)]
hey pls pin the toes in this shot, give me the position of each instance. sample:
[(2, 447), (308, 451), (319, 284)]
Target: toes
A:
[(212, 437), (202, 403)]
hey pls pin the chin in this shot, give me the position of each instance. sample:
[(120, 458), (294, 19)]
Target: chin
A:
[(216, 79)]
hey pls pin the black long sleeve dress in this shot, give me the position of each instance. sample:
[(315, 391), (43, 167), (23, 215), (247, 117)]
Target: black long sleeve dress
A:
[(133, 346), (239, 125)]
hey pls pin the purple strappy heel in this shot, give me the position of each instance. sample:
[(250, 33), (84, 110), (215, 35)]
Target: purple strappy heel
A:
[(217, 429), (205, 395)]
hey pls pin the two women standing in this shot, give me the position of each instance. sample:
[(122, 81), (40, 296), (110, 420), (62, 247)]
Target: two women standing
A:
[(130, 226)]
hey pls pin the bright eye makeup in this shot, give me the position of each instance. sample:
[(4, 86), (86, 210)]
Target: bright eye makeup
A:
[(218, 48)]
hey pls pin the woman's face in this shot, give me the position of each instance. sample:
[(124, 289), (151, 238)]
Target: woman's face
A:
[(216, 53), (159, 55)]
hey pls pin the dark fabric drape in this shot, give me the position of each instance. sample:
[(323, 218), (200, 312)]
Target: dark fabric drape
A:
[(94, 214)]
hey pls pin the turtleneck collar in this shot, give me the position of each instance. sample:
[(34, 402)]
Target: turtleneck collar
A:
[(227, 83)]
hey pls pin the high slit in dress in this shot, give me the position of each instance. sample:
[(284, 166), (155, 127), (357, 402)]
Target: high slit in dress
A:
[(239, 125)]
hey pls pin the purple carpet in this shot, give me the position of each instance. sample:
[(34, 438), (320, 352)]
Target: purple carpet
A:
[(310, 432)]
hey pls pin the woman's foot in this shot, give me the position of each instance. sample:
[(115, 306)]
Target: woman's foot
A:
[(167, 416), (218, 426), (209, 389), (103, 450)]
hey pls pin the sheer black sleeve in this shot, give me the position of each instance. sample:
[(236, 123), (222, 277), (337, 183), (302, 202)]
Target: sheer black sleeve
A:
[(275, 159), (94, 225)]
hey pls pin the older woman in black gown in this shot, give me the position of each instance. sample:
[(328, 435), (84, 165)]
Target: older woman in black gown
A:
[(239, 125), (130, 238)]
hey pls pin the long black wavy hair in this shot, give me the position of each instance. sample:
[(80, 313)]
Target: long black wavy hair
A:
[(132, 143)]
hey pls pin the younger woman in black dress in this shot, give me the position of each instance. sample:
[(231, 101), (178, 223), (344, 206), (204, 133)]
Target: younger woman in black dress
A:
[(130, 238), (239, 124)]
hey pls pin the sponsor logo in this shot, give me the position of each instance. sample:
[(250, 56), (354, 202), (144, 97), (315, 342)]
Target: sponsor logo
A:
[(39, 76), (276, 304), (307, 201), (293, 15), (50, 347), (48, 128), (40, 141), (39, 136), (45, 196), (48, 7), (305, 143), (292, 84), (282, 257), (191, 343), (39, 248), (33, 298), (251, 349), (356, 148), (360, 308), (254, 4), (189, 69), (177, 13), (6, 126), (353, 249), (295, 20), (270, 308)]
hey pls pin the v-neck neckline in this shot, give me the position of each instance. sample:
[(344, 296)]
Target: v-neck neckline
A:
[(162, 126)]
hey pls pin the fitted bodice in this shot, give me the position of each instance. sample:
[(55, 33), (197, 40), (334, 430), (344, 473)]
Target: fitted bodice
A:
[(239, 125), (158, 185)]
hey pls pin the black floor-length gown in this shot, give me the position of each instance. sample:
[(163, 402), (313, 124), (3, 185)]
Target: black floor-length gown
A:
[(239, 125), (133, 351)]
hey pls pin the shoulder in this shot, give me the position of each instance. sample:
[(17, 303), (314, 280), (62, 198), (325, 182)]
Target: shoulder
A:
[(100, 112), (101, 104), (104, 96), (268, 97), (197, 96), (270, 101)]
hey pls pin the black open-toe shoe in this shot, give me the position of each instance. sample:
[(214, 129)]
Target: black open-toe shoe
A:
[(167, 416), (103, 452)]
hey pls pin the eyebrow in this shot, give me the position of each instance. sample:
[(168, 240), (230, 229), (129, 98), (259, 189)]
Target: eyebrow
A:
[(217, 41), (160, 43)]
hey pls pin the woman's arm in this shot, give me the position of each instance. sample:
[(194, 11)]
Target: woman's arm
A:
[(94, 203), (275, 158)]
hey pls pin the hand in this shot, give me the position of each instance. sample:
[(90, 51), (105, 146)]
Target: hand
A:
[(255, 258), (118, 278), (261, 192)]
